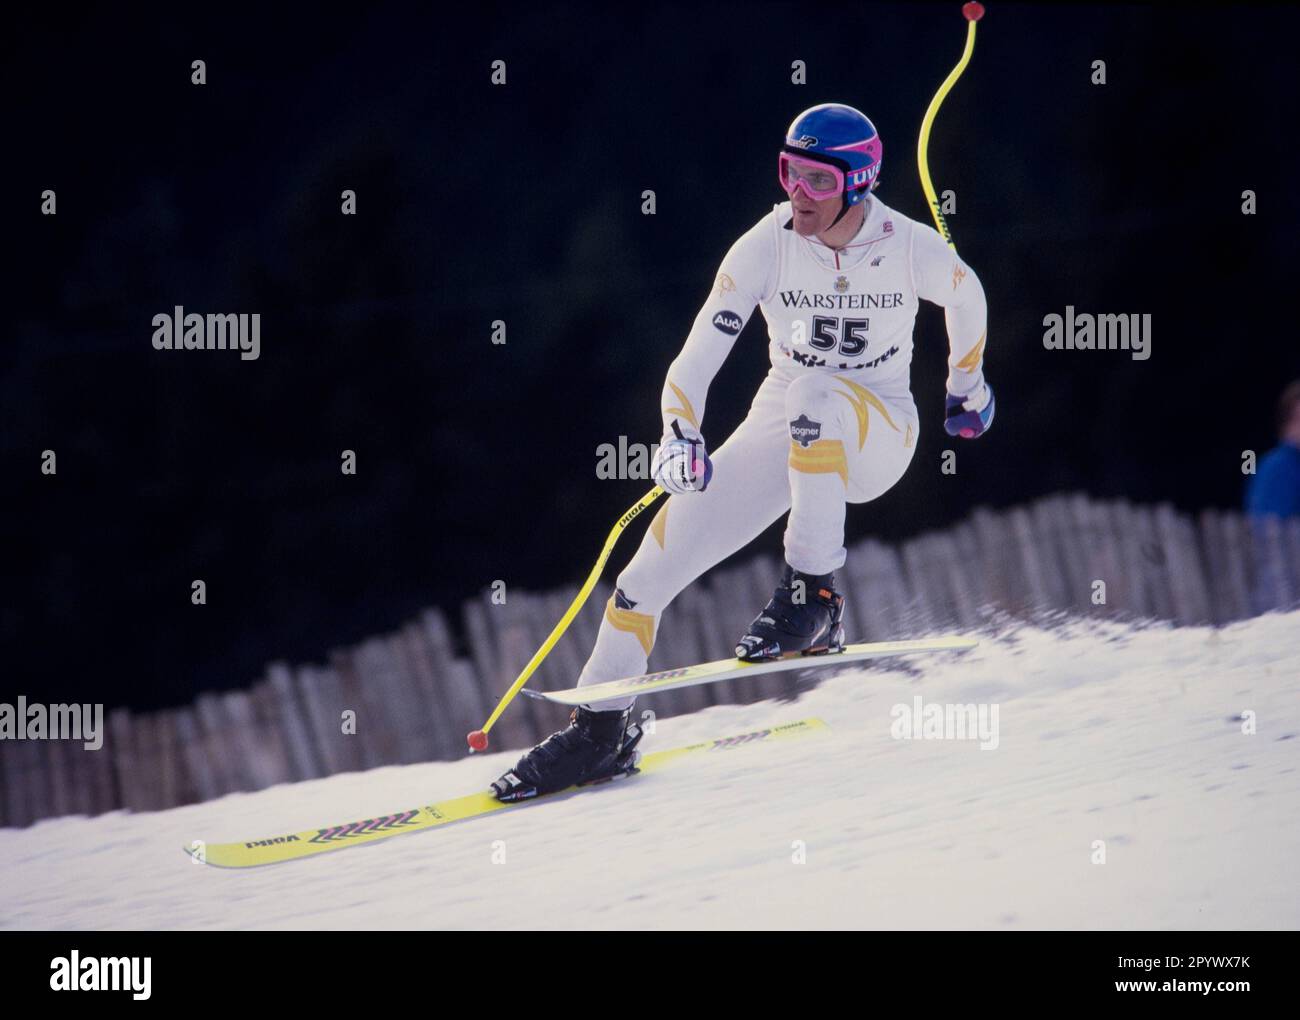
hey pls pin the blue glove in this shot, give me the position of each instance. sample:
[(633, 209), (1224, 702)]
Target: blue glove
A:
[(971, 415)]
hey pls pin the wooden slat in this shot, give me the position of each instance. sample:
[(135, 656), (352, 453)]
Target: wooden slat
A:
[(372, 741), (997, 566), (79, 761), (1291, 541), (917, 613), (1187, 573), (34, 769), (193, 753), (6, 819), (1034, 571), (1045, 532), (1154, 563), (120, 733), (169, 764), (272, 735), (299, 742), (1131, 595), (53, 761), (229, 717), (893, 597), (101, 775), (514, 728), (149, 749), (459, 675), (417, 734), (390, 700), (1272, 575), (440, 741), (1098, 553), (1057, 525), (263, 762), (26, 783), (458, 689), (973, 598), (222, 767), (318, 695), (1239, 546), (518, 632)]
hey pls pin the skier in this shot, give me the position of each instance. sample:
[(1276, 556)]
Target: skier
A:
[(838, 275)]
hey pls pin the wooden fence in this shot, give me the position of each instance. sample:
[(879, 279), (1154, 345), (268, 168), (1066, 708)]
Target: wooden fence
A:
[(414, 697)]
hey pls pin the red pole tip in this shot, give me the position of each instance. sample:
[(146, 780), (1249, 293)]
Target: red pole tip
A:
[(972, 10), (478, 741)]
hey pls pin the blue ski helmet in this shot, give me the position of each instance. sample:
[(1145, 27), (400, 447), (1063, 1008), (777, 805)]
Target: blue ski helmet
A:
[(841, 137)]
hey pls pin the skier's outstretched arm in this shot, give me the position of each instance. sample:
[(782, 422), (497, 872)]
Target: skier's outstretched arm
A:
[(748, 270), (942, 277)]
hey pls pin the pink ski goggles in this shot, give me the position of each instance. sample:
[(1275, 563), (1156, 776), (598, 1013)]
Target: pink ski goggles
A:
[(819, 181)]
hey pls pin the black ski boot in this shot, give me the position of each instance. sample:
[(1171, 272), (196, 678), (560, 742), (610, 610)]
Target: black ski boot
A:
[(785, 627), (594, 747)]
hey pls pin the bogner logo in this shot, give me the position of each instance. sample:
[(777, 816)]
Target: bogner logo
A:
[(728, 322), (805, 431)]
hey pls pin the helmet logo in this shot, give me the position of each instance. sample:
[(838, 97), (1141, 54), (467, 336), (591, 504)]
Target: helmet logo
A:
[(802, 142), (860, 177)]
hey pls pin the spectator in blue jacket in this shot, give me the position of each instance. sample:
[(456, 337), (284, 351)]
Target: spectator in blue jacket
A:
[(1274, 490)]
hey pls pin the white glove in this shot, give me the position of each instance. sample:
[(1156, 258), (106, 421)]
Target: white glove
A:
[(682, 464)]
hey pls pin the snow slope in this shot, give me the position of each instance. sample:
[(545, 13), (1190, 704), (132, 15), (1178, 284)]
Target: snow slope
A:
[(1115, 733)]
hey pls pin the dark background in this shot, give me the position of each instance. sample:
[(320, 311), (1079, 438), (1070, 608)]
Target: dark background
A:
[(522, 203)]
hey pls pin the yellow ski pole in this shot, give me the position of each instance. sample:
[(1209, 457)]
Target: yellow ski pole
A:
[(973, 12), (478, 740)]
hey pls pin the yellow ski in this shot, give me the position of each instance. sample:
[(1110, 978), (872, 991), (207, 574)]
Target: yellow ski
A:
[(726, 669), (276, 849)]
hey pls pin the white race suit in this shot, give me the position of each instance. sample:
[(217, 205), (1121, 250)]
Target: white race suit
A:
[(833, 422)]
